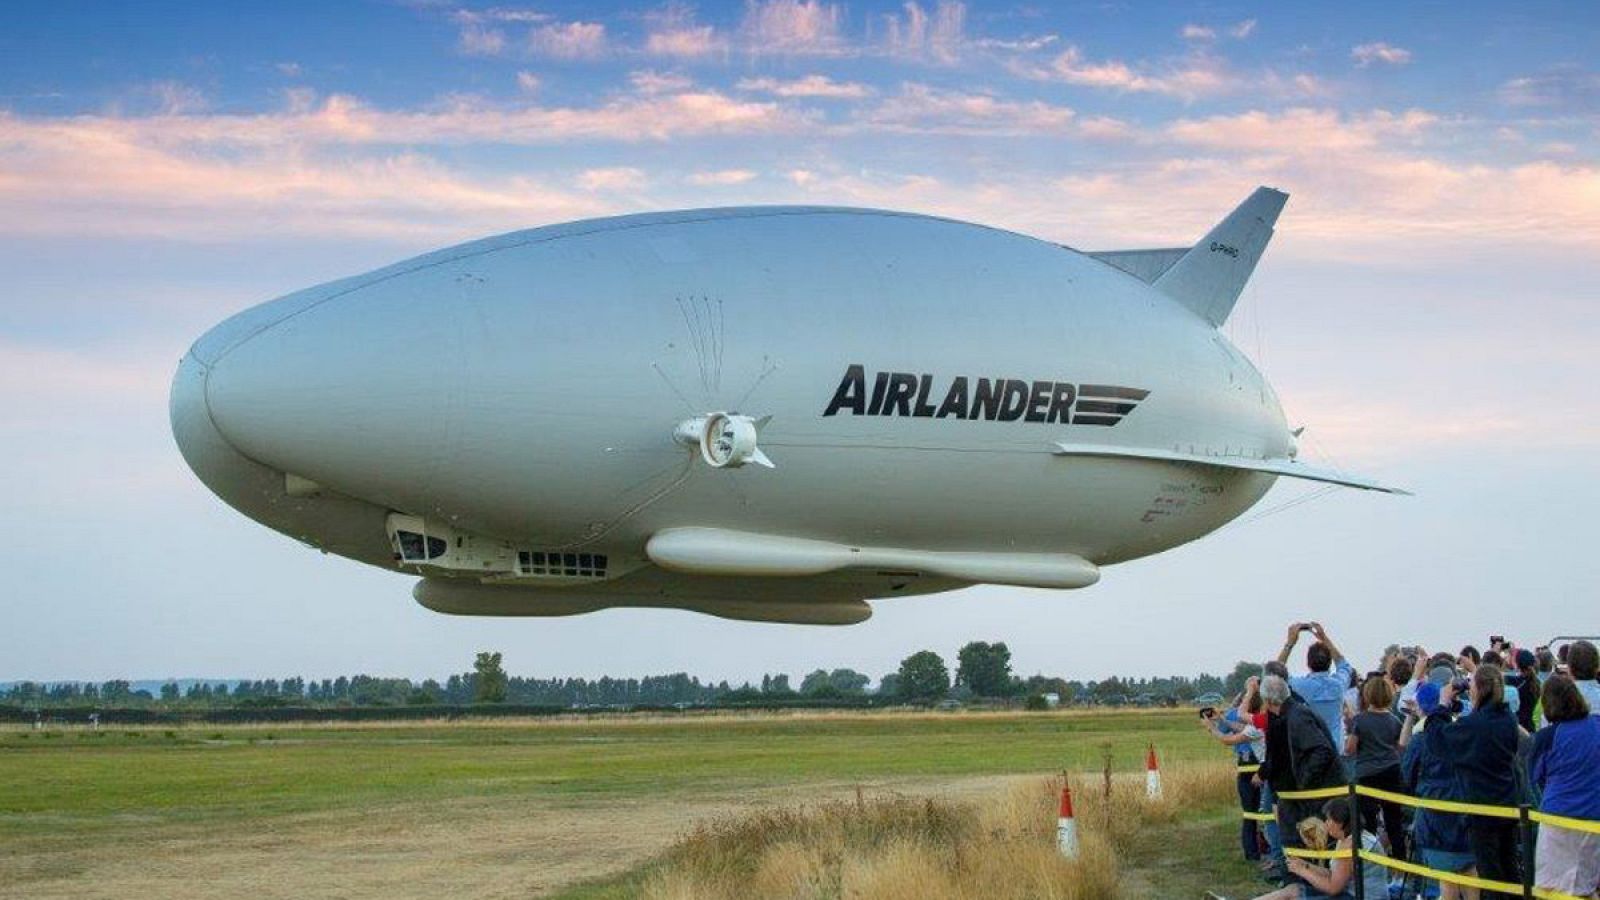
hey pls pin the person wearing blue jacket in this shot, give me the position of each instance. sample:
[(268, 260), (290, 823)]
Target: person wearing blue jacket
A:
[(1565, 764), (1426, 767), (1323, 687), (1482, 748)]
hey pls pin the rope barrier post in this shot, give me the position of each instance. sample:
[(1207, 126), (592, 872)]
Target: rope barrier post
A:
[(1355, 843), (1526, 822)]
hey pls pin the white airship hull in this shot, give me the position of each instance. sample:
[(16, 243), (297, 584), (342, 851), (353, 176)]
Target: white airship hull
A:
[(913, 381)]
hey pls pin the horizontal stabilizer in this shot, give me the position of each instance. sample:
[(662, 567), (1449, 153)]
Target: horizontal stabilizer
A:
[(1209, 278), (1287, 467), (1145, 265)]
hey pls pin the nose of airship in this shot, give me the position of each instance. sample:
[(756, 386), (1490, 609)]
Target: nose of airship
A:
[(336, 391), (243, 483)]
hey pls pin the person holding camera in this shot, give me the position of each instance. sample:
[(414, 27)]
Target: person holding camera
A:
[(1324, 686), (1440, 837), (1239, 729)]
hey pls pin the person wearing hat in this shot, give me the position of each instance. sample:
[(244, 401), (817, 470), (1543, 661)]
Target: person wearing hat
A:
[(1429, 771)]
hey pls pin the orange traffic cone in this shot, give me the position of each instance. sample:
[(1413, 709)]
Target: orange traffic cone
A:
[(1066, 826), (1152, 775)]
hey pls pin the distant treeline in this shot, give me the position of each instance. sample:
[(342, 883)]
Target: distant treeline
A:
[(983, 672)]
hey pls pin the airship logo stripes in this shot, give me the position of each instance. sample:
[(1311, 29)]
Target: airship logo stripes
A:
[(1105, 404), (916, 395)]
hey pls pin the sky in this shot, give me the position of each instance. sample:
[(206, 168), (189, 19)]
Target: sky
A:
[(1429, 308)]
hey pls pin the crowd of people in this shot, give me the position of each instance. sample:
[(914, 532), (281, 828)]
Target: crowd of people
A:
[(1504, 727)]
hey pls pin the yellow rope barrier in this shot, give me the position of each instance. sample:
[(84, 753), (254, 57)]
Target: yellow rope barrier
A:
[(1547, 894), (1450, 806), (1303, 853), (1452, 877), (1318, 794), (1247, 769), (1565, 822)]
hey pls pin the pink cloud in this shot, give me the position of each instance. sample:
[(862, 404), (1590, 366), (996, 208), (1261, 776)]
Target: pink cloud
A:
[(809, 86), (618, 178), (1195, 76), (721, 177), (569, 40), (921, 108), (793, 27), (1379, 52), (917, 34)]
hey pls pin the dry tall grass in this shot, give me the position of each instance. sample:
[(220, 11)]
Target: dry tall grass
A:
[(898, 848)]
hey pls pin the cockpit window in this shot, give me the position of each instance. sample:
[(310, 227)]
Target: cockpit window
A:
[(418, 548)]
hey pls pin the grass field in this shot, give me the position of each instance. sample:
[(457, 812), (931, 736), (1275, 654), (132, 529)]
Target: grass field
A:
[(520, 808)]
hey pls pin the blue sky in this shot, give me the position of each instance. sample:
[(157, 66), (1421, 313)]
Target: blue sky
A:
[(1428, 307)]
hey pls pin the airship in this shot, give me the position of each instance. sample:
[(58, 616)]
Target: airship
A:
[(762, 413)]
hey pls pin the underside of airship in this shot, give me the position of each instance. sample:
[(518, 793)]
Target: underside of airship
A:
[(765, 413)]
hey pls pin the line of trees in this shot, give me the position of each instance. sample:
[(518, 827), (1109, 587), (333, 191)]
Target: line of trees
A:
[(982, 672)]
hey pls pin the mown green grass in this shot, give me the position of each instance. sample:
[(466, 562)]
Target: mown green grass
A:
[(82, 781)]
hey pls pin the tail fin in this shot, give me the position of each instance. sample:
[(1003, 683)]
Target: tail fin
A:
[(1209, 278)]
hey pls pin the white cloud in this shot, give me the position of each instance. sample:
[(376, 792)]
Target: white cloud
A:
[(1192, 77), (1198, 33), (919, 35), (1244, 29), (82, 180), (690, 43), (721, 177), (918, 108), (174, 98), (342, 120), (674, 32), (329, 167), (793, 27), (1310, 85), (1017, 45), (620, 178), (650, 82), (809, 86), (1299, 129), (480, 40), (1567, 88), (527, 82), (1379, 52), (569, 40), (289, 69), (1105, 128), (512, 14)]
